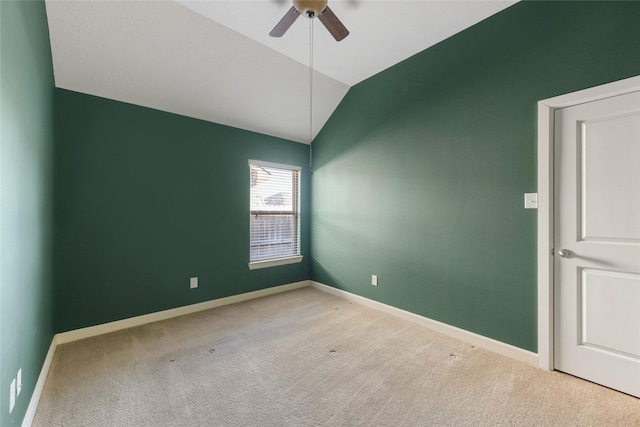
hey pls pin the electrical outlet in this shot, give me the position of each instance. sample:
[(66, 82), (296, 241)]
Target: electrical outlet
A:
[(19, 381), (12, 395), (374, 280), (193, 283)]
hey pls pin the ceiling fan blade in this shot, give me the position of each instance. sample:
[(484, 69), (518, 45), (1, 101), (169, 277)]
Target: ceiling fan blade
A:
[(333, 24), (287, 20)]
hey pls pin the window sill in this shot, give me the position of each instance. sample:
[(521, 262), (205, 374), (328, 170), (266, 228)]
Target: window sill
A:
[(274, 262)]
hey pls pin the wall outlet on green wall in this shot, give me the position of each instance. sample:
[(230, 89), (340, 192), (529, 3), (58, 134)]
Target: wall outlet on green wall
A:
[(193, 282), (374, 280), (19, 382), (12, 395), (14, 390)]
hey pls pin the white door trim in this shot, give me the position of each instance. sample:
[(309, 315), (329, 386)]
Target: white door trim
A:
[(546, 109)]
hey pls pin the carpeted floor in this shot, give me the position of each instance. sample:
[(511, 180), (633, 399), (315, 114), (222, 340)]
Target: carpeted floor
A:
[(307, 358)]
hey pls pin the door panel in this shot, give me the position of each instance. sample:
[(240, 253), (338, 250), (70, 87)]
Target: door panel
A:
[(597, 224), (608, 321), (609, 161)]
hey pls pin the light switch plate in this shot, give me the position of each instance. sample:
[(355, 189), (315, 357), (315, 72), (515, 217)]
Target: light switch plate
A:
[(531, 200), (19, 382)]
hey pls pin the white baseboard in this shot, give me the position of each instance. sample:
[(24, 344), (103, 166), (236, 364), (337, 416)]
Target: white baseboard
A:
[(106, 328), (37, 391), (78, 334), (461, 334)]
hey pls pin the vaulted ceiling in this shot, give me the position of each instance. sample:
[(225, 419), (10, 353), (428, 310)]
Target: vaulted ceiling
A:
[(214, 60)]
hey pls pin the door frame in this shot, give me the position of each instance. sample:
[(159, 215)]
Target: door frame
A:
[(546, 113)]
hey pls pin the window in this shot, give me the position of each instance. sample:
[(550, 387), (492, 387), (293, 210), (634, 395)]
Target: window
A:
[(274, 220)]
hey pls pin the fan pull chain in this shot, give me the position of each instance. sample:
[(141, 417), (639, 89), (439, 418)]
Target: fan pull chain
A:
[(310, 96)]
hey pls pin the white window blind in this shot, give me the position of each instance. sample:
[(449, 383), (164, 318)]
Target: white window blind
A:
[(274, 205)]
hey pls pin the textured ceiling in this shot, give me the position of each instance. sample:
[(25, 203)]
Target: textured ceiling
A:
[(214, 60)]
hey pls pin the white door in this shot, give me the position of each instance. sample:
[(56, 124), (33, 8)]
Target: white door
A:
[(597, 242)]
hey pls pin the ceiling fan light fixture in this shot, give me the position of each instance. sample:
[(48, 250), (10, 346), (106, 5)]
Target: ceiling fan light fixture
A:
[(310, 8)]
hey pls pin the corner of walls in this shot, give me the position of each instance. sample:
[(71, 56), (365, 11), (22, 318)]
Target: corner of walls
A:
[(26, 198), (147, 199), (92, 331), (419, 174)]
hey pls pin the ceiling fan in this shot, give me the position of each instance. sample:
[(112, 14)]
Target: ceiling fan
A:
[(311, 9)]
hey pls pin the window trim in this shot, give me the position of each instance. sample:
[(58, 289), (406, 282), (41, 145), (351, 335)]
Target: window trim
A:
[(255, 265), (273, 262), (274, 165)]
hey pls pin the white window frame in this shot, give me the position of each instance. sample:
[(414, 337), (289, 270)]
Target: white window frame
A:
[(273, 262)]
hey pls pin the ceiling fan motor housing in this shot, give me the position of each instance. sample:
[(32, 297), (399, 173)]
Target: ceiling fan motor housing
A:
[(310, 8)]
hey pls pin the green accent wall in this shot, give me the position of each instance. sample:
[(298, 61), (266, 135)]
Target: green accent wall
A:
[(418, 177), (420, 173), (26, 147), (146, 199)]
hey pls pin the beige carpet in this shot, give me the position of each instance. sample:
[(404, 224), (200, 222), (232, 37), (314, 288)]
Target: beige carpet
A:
[(307, 358)]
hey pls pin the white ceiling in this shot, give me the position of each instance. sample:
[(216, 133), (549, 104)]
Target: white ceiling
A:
[(215, 61)]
